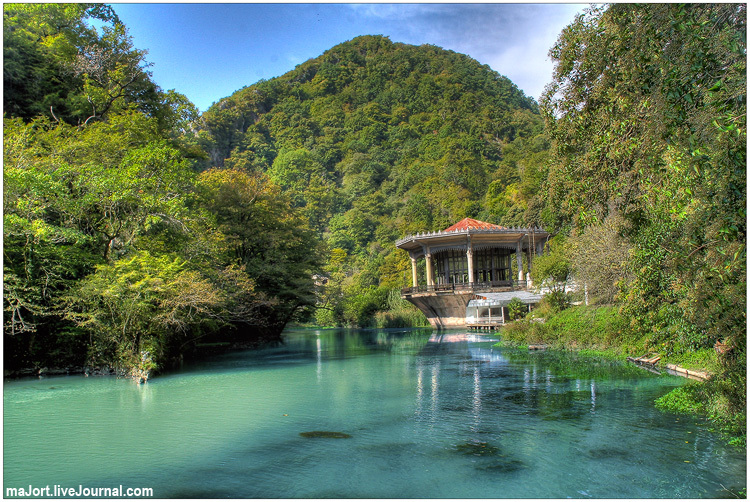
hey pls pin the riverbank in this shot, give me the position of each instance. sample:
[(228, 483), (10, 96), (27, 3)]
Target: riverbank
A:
[(145, 371), (603, 332), (103, 370)]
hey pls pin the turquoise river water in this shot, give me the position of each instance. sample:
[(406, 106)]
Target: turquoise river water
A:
[(428, 415)]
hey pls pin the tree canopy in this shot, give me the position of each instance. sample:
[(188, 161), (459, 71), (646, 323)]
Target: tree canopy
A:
[(116, 251)]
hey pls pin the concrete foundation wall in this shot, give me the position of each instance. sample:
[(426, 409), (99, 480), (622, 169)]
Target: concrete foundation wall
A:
[(443, 310)]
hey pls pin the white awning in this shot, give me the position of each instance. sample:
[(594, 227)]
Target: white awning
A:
[(503, 299)]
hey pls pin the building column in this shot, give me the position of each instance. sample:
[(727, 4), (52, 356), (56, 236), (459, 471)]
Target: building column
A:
[(414, 279), (509, 266), (470, 260), (428, 262), (519, 260)]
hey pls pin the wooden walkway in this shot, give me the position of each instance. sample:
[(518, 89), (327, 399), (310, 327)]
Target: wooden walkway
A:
[(650, 362), (645, 360), (485, 325)]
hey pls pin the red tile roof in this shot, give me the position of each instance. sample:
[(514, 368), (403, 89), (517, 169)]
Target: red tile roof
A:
[(469, 223)]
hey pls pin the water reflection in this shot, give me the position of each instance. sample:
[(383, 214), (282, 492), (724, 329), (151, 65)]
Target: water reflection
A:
[(548, 386), (593, 397), (429, 414), (434, 400), (476, 400), (318, 357)]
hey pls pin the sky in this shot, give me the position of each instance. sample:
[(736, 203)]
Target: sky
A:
[(207, 51)]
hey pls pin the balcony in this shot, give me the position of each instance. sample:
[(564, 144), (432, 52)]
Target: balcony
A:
[(466, 286)]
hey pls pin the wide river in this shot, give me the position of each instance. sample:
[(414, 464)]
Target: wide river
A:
[(427, 415)]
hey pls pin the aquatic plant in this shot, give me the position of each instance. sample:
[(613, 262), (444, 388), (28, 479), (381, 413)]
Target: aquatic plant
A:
[(478, 449), (325, 434), (503, 466)]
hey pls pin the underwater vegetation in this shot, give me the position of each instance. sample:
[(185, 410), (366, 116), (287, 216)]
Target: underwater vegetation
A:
[(478, 448), (325, 434)]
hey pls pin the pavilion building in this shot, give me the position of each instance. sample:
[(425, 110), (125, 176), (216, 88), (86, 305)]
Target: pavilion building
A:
[(466, 259)]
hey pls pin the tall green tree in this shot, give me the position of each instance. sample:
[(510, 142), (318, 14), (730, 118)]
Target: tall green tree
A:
[(56, 65), (647, 112), (40, 41), (266, 236), (115, 250)]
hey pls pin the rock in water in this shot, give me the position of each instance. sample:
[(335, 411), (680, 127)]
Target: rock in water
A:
[(324, 434)]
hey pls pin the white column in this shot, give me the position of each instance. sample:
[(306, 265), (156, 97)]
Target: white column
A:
[(519, 260), (428, 260), (414, 278), (470, 260), (509, 263)]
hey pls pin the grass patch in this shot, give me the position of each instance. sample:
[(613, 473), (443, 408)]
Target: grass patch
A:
[(706, 400), (598, 329), (682, 400)]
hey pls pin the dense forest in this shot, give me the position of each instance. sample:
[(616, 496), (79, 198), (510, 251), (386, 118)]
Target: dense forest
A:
[(137, 230), (646, 184), (120, 249)]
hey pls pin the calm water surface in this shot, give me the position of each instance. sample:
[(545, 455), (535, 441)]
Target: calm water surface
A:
[(430, 415)]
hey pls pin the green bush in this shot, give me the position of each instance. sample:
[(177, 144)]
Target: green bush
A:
[(516, 308), (400, 313)]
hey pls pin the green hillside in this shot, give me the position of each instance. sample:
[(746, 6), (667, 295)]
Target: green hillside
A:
[(374, 140)]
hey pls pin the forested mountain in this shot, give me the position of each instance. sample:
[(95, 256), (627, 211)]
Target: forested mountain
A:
[(374, 140), (135, 228)]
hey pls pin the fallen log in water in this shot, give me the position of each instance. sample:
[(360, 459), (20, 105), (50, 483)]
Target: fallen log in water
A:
[(678, 370), (538, 347), (645, 360), (650, 362)]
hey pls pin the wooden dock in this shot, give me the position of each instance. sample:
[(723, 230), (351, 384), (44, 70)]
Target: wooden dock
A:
[(485, 325), (650, 362), (645, 360), (695, 375)]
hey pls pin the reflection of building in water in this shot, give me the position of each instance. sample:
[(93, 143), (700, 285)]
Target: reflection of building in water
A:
[(439, 387)]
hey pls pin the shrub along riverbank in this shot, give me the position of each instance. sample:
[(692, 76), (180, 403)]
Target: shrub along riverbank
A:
[(604, 331)]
